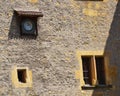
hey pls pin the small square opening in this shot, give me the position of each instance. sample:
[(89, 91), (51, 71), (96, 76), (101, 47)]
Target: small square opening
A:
[(28, 26), (22, 75)]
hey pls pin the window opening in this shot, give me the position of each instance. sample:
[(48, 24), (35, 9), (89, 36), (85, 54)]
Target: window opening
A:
[(86, 61), (100, 70), (22, 75)]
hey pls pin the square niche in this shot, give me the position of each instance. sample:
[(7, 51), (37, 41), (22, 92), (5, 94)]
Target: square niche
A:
[(21, 77), (27, 22)]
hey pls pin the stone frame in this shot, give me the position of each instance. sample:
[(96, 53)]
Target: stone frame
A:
[(16, 82), (79, 73), (28, 14)]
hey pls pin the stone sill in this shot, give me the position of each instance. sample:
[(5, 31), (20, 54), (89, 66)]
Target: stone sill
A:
[(89, 87)]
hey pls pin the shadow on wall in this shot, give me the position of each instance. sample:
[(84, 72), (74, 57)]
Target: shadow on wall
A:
[(113, 46), (14, 28), (14, 32)]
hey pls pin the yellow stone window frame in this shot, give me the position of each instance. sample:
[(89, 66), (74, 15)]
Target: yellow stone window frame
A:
[(79, 73), (16, 83)]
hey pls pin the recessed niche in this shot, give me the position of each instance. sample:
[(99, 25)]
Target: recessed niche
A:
[(25, 24), (28, 22), (22, 75)]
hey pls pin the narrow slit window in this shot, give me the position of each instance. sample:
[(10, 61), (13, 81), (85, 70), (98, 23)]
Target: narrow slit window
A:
[(86, 61), (22, 75)]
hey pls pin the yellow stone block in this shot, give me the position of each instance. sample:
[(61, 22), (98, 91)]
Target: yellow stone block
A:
[(77, 74), (33, 1), (97, 6), (90, 12)]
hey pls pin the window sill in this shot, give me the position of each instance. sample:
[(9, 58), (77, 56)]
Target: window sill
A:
[(89, 87)]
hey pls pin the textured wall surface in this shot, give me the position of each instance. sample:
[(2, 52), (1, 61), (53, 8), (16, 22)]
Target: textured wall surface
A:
[(67, 26)]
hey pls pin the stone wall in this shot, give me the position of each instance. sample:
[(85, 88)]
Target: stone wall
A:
[(66, 27)]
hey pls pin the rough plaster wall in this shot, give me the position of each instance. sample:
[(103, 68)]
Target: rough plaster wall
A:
[(67, 26)]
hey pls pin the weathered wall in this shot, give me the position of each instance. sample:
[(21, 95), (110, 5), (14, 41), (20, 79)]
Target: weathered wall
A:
[(67, 26)]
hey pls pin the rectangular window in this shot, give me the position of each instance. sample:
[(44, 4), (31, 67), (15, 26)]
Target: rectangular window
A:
[(22, 75), (89, 0), (89, 71), (100, 70), (86, 61)]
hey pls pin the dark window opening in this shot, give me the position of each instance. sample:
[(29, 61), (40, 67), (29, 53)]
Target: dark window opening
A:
[(88, 0), (22, 75), (100, 70), (27, 23), (86, 61), (28, 26)]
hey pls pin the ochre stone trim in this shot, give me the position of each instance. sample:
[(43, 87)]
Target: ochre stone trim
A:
[(79, 73), (33, 1), (15, 80)]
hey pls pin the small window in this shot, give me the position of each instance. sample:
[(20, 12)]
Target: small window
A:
[(87, 63), (22, 75), (28, 26), (100, 70), (28, 22), (94, 69), (89, 0)]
